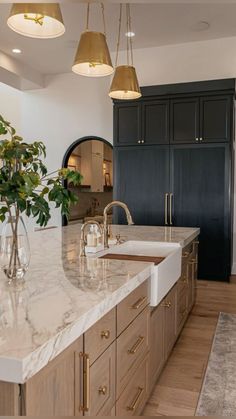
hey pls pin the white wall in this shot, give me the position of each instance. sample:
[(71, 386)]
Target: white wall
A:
[(10, 105)]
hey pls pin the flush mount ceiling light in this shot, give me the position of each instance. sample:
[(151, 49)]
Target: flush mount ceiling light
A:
[(16, 51), (37, 20), (125, 84), (92, 58)]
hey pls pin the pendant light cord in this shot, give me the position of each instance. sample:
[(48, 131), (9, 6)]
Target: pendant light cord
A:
[(87, 20), (103, 17), (130, 38), (119, 33)]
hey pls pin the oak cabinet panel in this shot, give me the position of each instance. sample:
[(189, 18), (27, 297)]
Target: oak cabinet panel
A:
[(170, 333), (51, 392), (102, 383), (134, 397), (157, 355), (100, 336)]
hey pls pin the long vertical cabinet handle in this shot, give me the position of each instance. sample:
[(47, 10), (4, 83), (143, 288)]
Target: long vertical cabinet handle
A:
[(171, 202), (166, 209), (86, 382)]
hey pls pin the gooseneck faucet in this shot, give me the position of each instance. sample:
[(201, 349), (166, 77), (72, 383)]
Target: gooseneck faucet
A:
[(105, 215), (83, 241)]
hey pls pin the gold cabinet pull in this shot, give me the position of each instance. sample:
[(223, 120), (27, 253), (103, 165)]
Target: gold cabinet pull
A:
[(186, 254), (136, 400), (136, 346), (166, 208), (167, 304), (193, 261), (139, 303), (105, 334), (86, 382), (102, 390), (171, 199)]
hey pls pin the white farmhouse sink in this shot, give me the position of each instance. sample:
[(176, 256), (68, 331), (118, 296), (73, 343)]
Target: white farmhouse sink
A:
[(165, 274)]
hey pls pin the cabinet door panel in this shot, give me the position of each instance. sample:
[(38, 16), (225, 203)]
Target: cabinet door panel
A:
[(184, 120), (102, 383), (215, 118), (141, 181), (200, 181), (52, 391), (155, 118), (127, 124), (157, 357), (170, 332)]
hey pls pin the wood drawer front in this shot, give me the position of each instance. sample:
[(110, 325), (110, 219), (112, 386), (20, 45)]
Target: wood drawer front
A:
[(135, 395), (102, 383), (131, 306), (132, 345), (100, 336), (182, 308)]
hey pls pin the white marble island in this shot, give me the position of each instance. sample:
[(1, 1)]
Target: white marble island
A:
[(64, 295)]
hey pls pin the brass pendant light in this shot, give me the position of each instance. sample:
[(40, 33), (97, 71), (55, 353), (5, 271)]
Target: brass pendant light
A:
[(92, 57), (125, 84), (37, 20)]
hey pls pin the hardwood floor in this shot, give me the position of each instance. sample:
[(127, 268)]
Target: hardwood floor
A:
[(177, 390)]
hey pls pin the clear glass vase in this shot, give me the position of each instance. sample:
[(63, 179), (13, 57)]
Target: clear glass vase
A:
[(15, 249)]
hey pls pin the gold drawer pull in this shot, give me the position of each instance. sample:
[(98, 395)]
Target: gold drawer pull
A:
[(86, 382), (186, 254), (105, 334), (139, 303), (167, 304), (193, 261), (134, 349), (136, 400), (184, 280), (102, 390)]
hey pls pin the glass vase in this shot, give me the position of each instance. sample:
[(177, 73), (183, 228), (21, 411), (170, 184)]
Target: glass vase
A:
[(15, 249)]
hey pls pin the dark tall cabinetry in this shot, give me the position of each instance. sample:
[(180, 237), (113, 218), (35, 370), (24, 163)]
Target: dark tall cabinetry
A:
[(174, 165)]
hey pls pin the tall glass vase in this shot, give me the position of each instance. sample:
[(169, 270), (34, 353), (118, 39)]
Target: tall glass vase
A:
[(15, 249)]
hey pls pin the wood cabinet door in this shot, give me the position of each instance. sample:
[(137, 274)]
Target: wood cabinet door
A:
[(157, 356), (127, 124), (52, 391), (184, 121), (170, 332), (141, 180), (102, 384), (215, 118), (200, 182), (155, 122)]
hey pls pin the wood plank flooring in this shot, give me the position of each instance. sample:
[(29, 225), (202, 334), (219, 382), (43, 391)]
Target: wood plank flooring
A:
[(177, 390)]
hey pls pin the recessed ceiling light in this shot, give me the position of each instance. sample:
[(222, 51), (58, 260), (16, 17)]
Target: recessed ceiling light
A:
[(130, 34), (16, 51), (202, 25)]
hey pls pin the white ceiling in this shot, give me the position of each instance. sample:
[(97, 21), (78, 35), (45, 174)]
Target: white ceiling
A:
[(155, 24)]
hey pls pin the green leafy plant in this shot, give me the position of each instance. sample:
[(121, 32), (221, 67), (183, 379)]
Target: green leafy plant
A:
[(26, 187)]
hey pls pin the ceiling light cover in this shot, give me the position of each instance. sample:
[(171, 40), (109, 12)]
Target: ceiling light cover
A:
[(125, 84), (37, 20), (92, 57), (16, 51)]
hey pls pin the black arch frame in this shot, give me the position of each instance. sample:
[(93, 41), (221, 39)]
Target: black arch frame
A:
[(69, 152)]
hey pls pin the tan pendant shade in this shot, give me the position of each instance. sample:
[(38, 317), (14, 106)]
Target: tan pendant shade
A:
[(92, 57), (37, 20), (125, 84)]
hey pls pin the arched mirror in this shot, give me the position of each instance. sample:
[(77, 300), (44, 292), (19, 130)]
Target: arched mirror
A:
[(93, 158)]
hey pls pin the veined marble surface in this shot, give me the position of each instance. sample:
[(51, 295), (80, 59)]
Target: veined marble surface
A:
[(64, 295), (218, 395)]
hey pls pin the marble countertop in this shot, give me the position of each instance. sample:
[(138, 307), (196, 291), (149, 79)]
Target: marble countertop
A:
[(64, 295)]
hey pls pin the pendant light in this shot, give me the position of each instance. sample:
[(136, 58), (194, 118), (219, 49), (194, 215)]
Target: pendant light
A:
[(37, 20), (125, 84), (92, 57)]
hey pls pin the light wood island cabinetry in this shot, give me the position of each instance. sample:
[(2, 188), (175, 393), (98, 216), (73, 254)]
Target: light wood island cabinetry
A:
[(112, 368)]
